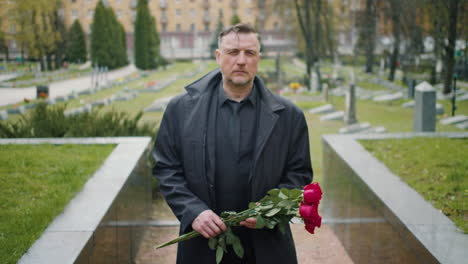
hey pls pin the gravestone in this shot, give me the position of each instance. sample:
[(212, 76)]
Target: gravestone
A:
[(454, 120), (333, 116), (388, 97), (322, 109), (350, 116), (382, 67), (3, 115), (463, 97), (314, 82), (354, 128), (462, 125), (411, 85), (424, 115), (325, 92)]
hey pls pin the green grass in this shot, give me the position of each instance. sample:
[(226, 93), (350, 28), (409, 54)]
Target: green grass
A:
[(390, 115), (37, 182), (371, 86), (435, 167)]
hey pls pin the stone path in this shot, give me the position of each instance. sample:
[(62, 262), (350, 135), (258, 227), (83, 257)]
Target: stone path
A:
[(62, 88), (323, 247)]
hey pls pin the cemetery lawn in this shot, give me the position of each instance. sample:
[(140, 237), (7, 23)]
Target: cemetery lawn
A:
[(434, 167), (37, 182)]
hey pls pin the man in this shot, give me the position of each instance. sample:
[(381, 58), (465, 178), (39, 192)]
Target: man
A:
[(225, 143)]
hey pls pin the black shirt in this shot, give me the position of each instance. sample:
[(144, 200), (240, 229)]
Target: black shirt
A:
[(236, 125)]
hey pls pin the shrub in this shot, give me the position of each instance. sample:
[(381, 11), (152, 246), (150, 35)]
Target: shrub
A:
[(51, 121)]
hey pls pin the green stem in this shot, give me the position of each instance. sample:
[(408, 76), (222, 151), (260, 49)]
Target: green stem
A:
[(183, 237)]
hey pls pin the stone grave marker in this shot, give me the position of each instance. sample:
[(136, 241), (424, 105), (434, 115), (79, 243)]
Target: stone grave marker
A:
[(350, 114), (462, 125), (424, 115), (463, 97), (322, 109), (17, 110), (354, 128), (388, 97), (3, 115), (159, 105), (453, 120), (379, 129), (339, 115)]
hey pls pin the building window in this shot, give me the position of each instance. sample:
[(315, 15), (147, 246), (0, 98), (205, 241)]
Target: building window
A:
[(177, 12), (73, 1), (276, 25), (192, 27), (220, 12), (178, 27), (74, 14), (119, 13), (164, 27), (192, 12), (207, 27), (90, 1), (249, 11), (90, 13), (12, 28)]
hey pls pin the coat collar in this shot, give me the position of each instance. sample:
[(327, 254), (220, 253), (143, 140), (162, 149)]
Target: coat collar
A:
[(211, 80)]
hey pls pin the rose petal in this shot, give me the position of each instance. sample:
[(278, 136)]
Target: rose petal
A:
[(312, 196)]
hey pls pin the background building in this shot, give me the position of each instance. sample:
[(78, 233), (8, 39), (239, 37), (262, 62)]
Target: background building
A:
[(187, 27)]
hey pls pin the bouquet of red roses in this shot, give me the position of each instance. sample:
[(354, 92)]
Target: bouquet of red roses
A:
[(277, 208)]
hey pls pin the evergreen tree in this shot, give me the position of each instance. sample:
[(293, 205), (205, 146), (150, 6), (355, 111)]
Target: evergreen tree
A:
[(214, 41), (100, 37), (146, 38), (235, 19), (107, 45), (76, 46)]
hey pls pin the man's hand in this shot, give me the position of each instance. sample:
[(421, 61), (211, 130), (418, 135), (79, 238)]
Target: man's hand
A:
[(208, 224), (249, 222)]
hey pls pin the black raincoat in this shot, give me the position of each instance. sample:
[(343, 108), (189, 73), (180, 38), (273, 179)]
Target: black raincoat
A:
[(182, 150)]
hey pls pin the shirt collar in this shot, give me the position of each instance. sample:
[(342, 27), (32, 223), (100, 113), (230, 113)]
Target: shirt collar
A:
[(222, 97)]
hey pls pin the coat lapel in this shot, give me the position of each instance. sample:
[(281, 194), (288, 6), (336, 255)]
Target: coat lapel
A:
[(267, 121)]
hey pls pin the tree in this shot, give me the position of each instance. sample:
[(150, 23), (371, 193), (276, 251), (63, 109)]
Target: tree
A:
[(214, 41), (3, 45), (452, 9), (146, 38), (37, 30), (311, 32), (107, 47), (395, 7), (3, 42), (446, 25), (367, 33), (76, 43), (235, 19)]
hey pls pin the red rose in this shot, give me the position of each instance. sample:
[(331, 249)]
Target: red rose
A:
[(312, 193), (310, 228), (308, 211)]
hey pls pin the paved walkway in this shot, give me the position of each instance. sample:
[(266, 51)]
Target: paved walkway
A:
[(323, 247), (15, 95)]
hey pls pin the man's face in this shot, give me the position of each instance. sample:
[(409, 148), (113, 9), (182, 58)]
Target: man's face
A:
[(238, 58)]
